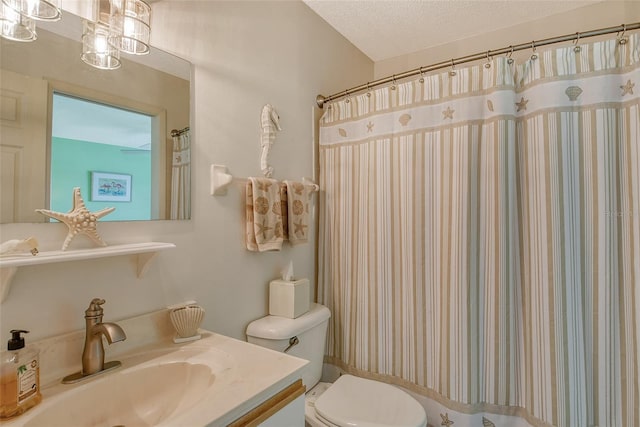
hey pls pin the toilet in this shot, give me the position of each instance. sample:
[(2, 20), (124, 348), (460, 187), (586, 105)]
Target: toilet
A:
[(350, 401)]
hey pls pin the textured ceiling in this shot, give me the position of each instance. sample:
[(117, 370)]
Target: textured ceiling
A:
[(384, 29)]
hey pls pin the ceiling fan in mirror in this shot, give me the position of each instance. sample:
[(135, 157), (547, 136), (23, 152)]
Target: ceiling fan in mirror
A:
[(115, 26)]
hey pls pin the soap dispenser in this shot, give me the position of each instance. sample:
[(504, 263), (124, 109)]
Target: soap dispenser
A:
[(19, 377)]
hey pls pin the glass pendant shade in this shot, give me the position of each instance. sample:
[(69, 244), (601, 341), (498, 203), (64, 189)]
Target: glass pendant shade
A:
[(129, 21), (15, 26), (44, 10), (96, 49)]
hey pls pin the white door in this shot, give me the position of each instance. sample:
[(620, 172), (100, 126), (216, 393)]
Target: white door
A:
[(23, 147)]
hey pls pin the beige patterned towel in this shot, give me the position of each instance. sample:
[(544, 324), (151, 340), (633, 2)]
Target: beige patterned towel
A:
[(298, 212), (264, 230)]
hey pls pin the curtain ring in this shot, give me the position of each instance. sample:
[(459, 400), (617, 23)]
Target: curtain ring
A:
[(368, 91), (393, 82), (453, 71), (421, 76), (346, 97), (534, 55), (510, 60), (621, 37), (576, 47), (488, 63)]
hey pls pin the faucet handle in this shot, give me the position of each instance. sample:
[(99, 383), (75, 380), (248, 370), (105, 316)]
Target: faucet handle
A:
[(95, 308)]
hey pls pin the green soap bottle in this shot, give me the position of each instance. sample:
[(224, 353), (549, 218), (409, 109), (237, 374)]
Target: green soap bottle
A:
[(19, 377)]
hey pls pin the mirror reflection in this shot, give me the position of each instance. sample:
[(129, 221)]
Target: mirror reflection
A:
[(120, 135)]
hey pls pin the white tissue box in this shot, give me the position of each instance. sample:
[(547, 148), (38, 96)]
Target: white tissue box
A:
[(289, 298)]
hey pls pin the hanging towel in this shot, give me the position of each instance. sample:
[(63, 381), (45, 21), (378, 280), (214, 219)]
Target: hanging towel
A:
[(285, 210), (264, 230), (298, 212)]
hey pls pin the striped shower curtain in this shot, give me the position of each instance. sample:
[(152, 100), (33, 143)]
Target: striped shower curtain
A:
[(480, 236)]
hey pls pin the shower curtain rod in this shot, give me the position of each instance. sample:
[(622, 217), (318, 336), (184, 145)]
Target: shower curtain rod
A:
[(176, 132), (321, 100)]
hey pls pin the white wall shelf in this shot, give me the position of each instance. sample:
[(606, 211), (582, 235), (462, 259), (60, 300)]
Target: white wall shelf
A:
[(144, 252)]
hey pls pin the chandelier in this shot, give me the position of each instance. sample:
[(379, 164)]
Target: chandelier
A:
[(117, 26)]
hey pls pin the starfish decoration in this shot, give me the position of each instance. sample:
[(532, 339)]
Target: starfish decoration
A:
[(448, 113), (522, 105), (79, 220), (369, 127), (299, 227), (445, 420), (263, 228), (628, 88)]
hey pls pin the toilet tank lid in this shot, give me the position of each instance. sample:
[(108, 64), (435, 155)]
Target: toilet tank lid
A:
[(280, 328)]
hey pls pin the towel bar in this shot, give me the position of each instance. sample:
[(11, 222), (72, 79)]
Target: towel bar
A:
[(221, 179)]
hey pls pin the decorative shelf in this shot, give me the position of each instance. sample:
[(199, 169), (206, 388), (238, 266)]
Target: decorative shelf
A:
[(145, 253)]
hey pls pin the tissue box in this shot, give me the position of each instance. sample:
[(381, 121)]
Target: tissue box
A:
[(289, 298)]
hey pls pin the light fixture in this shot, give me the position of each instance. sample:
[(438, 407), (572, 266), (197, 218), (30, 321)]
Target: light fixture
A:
[(126, 25), (129, 26), (96, 49), (15, 26), (43, 10), (116, 26)]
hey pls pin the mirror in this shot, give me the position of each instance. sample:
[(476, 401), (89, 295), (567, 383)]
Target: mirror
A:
[(65, 124)]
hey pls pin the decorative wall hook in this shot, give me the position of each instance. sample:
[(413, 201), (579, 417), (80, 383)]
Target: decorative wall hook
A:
[(270, 122)]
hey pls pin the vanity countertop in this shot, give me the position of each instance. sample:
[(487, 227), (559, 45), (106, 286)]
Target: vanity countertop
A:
[(239, 376)]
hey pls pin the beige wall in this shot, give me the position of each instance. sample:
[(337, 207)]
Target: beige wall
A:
[(600, 15), (245, 54)]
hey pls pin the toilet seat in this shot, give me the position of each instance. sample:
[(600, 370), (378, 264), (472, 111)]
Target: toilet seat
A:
[(358, 402)]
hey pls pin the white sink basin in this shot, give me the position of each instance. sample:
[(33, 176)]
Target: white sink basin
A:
[(210, 382), (133, 398)]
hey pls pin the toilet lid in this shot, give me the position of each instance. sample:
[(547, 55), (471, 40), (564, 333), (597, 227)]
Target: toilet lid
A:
[(358, 402)]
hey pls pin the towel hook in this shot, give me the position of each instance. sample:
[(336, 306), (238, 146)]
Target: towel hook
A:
[(576, 47), (622, 39), (534, 55), (453, 71), (421, 76)]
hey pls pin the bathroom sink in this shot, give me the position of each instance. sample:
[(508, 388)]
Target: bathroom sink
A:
[(139, 397), (209, 382)]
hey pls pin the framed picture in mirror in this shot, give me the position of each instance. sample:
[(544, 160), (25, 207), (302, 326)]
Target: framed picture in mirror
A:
[(110, 187)]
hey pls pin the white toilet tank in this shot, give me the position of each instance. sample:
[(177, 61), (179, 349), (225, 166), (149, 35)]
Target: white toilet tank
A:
[(275, 332)]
